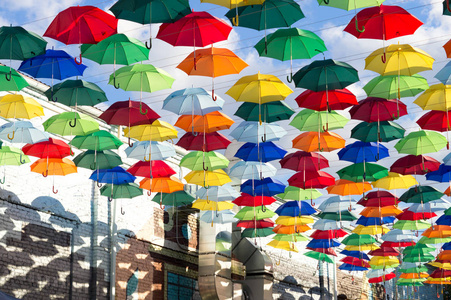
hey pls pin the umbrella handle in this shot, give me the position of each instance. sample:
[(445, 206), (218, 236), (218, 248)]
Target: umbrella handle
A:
[(311, 202), (22, 161), (217, 214), (290, 78), (194, 133), (145, 158), (326, 1), (203, 166), (4, 179), (266, 46), (141, 109), (326, 128), (264, 138), (98, 185), (384, 58), (447, 5), (74, 124), (416, 233), (149, 46), (54, 191), (11, 138), (161, 206), (278, 262), (236, 21), (149, 193), (130, 144), (8, 75), (122, 211), (350, 208), (46, 173), (78, 62), (92, 166), (116, 86), (213, 95), (357, 26), (263, 208), (377, 157), (424, 168)]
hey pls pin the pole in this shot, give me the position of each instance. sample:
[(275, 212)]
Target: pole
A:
[(112, 231), (335, 278), (93, 261)]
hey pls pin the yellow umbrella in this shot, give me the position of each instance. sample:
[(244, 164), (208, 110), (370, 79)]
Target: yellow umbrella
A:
[(18, 106), (431, 280), (435, 98), (157, 131), (345, 187), (234, 3), (208, 178), (399, 60), (284, 245), (441, 265), (372, 230), (385, 261), (212, 205), (395, 181), (290, 221), (368, 247)]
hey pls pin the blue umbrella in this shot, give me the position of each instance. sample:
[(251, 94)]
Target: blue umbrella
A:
[(447, 160), (266, 187), (349, 267), (295, 208), (150, 150), (52, 64), (260, 152), (192, 101), (369, 221), (116, 175), (443, 174), (323, 243), (444, 75), (444, 220), (359, 152), (446, 246), (252, 131), (356, 254), (218, 193)]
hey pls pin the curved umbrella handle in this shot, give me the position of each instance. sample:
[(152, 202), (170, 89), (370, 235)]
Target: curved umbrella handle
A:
[(326, 2), (74, 124), (290, 78), (92, 166), (263, 208), (384, 57), (195, 63), (141, 109), (217, 214), (377, 157), (278, 262), (424, 169), (145, 158), (326, 128), (194, 133), (22, 161), (162, 206), (8, 75), (264, 138), (99, 185), (11, 138), (54, 191), (213, 95), (78, 62), (122, 211), (266, 46), (350, 208), (53, 99), (130, 144), (149, 46), (4, 179), (203, 166), (311, 202), (116, 86), (46, 173), (447, 5), (149, 193), (357, 26), (236, 21)]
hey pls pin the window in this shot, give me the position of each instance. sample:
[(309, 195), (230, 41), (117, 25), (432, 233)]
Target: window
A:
[(180, 287)]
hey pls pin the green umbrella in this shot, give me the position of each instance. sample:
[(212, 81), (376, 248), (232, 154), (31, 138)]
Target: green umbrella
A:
[(12, 156), (257, 232), (178, 198), (413, 269), (16, 82), (387, 86), (208, 161), (142, 77), (93, 160), (342, 216), (421, 194), (127, 190), (71, 123), (384, 131), (407, 282), (319, 256), (422, 257), (296, 193), (426, 240), (76, 92), (328, 74), (250, 213), (421, 142), (290, 43), (16, 43), (363, 172), (350, 4), (358, 240), (411, 225), (270, 111), (312, 120), (418, 249), (295, 237), (99, 140)]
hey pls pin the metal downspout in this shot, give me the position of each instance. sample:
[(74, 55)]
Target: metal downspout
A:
[(94, 241)]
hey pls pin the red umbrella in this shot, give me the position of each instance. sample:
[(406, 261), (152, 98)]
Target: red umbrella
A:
[(197, 29), (52, 148), (396, 244), (412, 216), (382, 278), (385, 251), (311, 179), (328, 234), (213, 141), (415, 165), (337, 99), (355, 261), (440, 273), (378, 199), (329, 251), (383, 22), (374, 109), (248, 200), (128, 113), (153, 168), (264, 223), (301, 160), (435, 120)]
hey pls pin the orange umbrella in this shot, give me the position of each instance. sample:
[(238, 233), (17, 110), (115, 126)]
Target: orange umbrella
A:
[(162, 184), (444, 255), (414, 275), (291, 229), (448, 191), (438, 231), (378, 212), (208, 123), (447, 48), (54, 166), (318, 141), (345, 187)]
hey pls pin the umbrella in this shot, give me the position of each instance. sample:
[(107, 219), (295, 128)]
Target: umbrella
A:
[(385, 251), (52, 148), (328, 234), (76, 92), (437, 97), (156, 131), (12, 156), (295, 193), (207, 123), (252, 170), (262, 152), (126, 190), (342, 216), (382, 278), (151, 169), (53, 166), (444, 74), (265, 187), (116, 175), (359, 152), (153, 150), (19, 106), (294, 237), (22, 132), (15, 83), (318, 141), (441, 175), (211, 205), (301, 160), (397, 235), (336, 99), (198, 160), (358, 240), (335, 204), (435, 120), (421, 142), (355, 262), (93, 160), (394, 86), (415, 164), (55, 64), (378, 212), (207, 178), (368, 221), (313, 179), (345, 187), (290, 229), (218, 193), (319, 256), (325, 224), (378, 199), (295, 208), (203, 142), (254, 213), (372, 230), (263, 223), (384, 131), (178, 198), (351, 4), (98, 140), (71, 123), (161, 184), (320, 121), (383, 22), (194, 101), (16, 43), (411, 225), (259, 232), (412, 216), (395, 181), (220, 217), (373, 109), (250, 131), (284, 245), (363, 172), (398, 60), (248, 200), (270, 112), (327, 243)]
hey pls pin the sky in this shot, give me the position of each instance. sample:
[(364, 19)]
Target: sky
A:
[(326, 22)]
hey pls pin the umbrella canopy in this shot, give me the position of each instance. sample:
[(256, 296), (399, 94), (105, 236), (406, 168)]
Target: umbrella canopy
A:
[(252, 170), (355, 262), (372, 230), (378, 212), (76, 92), (421, 142), (116, 175), (411, 225), (443, 174), (15, 83), (373, 109), (412, 216), (378, 199), (264, 223), (262, 152), (444, 75), (207, 178), (284, 245), (301, 160), (82, 25), (337, 99), (328, 243), (250, 131), (128, 113), (394, 86), (71, 123), (342, 216), (295, 237), (321, 121), (265, 187), (218, 193), (314, 141), (385, 251), (203, 142), (233, 3), (248, 200), (328, 234), (207, 123), (16, 43), (345, 187), (211, 205), (151, 150), (53, 166), (363, 172), (290, 229), (19, 106), (162, 184), (220, 217), (98, 140), (93, 160), (178, 198), (194, 101), (295, 208), (118, 191), (437, 97), (435, 120), (251, 213), (384, 131), (326, 224), (22, 132), (156, 131), (415, 165), (368, 221), (383, 22), (260, 232), (351, 4), (268, 112), (395, 181), (295, 193), (52, 148), (313, 179), (12, 156), (335, 204), (198, 160), (359, 152), (151, 169), (319, 256)]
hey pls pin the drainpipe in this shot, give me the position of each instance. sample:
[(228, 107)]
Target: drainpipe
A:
[(94, 241), (112, 228)]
